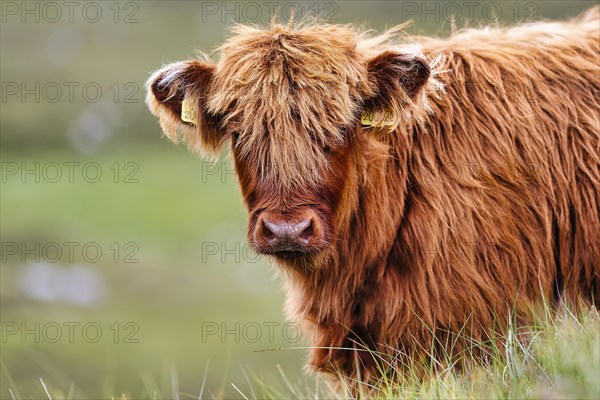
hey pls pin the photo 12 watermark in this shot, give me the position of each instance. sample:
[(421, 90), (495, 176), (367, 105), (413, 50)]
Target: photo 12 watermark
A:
[(53, 12), (468, 12), (69, 92), (220, 171), (254, 332), (229, 252), (71, 252), (69, 332), (255, 12), (68, 172)]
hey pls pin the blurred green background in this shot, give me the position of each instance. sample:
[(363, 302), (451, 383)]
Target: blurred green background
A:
[(84, 167)]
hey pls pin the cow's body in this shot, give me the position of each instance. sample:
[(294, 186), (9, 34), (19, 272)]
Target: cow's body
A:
[(481, 205), (481, 213)]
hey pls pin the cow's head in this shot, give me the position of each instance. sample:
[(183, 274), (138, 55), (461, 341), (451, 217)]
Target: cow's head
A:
[(290, 101)]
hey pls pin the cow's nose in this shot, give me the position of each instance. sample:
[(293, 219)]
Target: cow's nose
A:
[(287, 235)]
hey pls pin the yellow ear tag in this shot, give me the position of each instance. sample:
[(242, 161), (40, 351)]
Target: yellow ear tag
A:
[(370, 117), (188, 112)]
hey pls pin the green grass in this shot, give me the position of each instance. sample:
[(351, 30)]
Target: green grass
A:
[(169, 293), (560, 359)]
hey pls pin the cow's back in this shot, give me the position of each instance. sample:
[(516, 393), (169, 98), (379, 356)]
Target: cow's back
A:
[(516, 140)]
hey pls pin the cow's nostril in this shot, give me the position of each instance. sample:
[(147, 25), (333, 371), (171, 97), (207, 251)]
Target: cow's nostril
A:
[(266, 231), (308, 232), (287, 235)]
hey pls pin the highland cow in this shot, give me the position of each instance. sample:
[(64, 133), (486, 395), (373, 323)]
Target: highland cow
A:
[(410, 193)]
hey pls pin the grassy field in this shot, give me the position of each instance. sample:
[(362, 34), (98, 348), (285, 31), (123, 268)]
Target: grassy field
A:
[(559, 360), (189, 268)]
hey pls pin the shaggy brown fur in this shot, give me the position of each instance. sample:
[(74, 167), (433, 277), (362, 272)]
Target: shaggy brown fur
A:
[(480, 202)]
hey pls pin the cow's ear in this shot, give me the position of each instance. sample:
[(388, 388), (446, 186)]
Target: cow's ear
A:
[(397, 76), (185, 85)]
